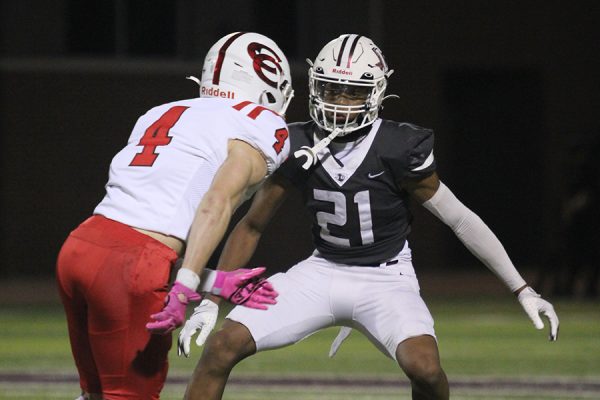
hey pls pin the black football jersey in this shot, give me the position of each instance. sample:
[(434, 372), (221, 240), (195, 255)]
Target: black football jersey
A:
[(359, 211)]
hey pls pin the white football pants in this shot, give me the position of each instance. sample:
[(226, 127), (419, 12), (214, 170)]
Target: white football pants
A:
[(381, 302)]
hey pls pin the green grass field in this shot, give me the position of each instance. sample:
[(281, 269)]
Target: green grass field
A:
[(481, 340)]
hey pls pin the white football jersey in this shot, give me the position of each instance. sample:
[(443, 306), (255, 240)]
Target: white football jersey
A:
[(157, 181)]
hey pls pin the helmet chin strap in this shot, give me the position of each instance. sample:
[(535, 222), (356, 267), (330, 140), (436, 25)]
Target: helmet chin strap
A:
[(261, 98), (288, 94), (193, 78), (311, 152)]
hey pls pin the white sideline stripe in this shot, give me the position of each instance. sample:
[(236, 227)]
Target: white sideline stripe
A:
[(66, 391), (571, 383)]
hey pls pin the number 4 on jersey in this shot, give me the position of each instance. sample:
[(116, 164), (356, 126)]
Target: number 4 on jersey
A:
[(156, 135), (281, 135)]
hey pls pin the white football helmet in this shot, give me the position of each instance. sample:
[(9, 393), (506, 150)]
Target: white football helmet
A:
[(347, 83), (247, 66)]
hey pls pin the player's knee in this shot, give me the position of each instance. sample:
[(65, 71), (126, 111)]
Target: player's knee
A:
[(219, 349), (419, 358), (424, 371), (227, 347)]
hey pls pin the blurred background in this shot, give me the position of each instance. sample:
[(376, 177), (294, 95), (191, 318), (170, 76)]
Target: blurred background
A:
[(511, 89)]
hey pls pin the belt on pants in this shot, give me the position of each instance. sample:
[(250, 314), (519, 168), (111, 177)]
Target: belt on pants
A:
[(383, 264)]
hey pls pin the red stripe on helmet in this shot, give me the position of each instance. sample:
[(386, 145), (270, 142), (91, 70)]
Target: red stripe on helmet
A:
[(339, 59), (354, 43), (221, 57)]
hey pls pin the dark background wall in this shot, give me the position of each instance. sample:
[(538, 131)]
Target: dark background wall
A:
[(508, 86)]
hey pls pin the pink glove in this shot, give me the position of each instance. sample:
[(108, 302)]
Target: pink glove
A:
[(173, 314), (244, 287)]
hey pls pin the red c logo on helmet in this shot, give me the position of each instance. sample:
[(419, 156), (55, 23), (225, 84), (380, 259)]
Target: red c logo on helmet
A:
[(265, 61)]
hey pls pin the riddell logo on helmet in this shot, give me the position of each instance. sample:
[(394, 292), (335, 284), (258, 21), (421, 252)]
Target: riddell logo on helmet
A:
[(341, 71), (216, 92)]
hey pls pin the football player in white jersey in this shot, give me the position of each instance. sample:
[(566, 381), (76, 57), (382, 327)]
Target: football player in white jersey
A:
[(171, 192), (360, 275)]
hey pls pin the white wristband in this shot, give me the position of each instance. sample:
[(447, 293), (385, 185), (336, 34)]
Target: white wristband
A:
[(209, 276), (188, 278)]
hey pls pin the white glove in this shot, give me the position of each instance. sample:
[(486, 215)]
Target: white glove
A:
[(534, 305), (339, 339), (203, 320)]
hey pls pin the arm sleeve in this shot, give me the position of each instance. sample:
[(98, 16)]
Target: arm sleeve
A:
[(475, 235)]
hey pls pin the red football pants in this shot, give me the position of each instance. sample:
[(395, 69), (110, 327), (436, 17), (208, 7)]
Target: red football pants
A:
[(110, 279)]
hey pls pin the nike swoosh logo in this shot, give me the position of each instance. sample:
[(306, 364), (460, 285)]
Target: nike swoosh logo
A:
[(371, 176)]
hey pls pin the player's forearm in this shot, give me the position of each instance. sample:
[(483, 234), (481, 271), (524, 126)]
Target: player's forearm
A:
[(237, 252), (210, 223), (240, 247), (482, 242), (244, 238), (475, 235), (244, 167)]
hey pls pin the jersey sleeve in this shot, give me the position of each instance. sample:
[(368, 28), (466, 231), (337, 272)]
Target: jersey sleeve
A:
[(268, 133), (292, 169), (421, 161), (409, 151)]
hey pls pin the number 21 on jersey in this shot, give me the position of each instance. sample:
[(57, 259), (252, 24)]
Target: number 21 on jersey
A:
[(340, 215), (281, 135)]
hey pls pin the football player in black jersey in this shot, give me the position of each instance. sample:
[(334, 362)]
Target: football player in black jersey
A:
[(356, 172)]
